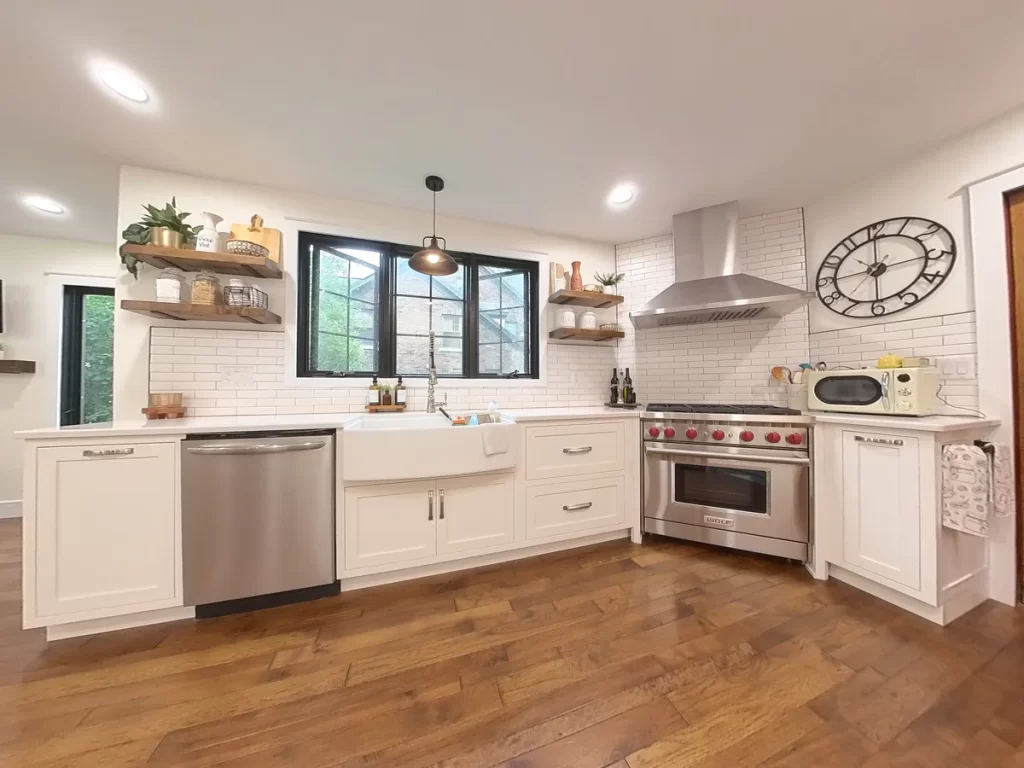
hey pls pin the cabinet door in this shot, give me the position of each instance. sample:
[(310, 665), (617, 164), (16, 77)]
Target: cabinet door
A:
[(389, 523), (881, 506), (106, 532), (475, 512)]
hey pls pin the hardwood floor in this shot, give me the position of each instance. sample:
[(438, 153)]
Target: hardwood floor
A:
[(663, 655)]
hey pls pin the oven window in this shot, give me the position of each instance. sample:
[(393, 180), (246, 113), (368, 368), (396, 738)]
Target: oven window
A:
[(848, 390), (745, 490)]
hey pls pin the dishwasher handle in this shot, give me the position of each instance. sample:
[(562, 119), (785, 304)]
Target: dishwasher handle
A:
[(257, 448)]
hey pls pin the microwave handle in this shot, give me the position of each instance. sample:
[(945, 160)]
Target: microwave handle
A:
[(885, 390)]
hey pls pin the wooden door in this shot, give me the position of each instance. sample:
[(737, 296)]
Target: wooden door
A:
[(475, 512), (881, 507), (392, 523), (1015, 235), (106, 540)]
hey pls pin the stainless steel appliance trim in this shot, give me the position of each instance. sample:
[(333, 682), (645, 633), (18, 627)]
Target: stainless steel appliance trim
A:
[(109, 452), (885, 390), (239, 450), (760, 457), (577, 507), (879, 440), (749, 542), (430, 505), (440, 495), (754, 418), (581, 449)]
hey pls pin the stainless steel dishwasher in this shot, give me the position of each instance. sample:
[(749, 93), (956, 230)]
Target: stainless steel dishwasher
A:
[(257, 519)]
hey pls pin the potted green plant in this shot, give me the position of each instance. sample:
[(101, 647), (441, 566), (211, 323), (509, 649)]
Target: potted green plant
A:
[(164, 227), (609, 281)]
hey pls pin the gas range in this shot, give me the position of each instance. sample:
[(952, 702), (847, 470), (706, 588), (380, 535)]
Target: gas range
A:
[(766, 427)]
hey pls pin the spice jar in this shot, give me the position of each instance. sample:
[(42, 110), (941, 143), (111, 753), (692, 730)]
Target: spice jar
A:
[(171, 286), (206, 289)]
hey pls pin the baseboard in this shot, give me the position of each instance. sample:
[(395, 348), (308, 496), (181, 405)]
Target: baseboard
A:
[(114, 623), (889, 595), (390, 577), (10, 509)]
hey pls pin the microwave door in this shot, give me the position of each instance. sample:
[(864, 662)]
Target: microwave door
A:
[(855, 391)]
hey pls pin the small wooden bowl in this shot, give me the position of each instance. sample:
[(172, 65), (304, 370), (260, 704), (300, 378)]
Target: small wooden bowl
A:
[(165, 399)]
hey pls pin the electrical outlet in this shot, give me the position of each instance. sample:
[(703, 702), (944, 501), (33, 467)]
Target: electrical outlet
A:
[(957, 368)]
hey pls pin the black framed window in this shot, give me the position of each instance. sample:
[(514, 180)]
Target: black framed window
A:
[(87, 355), (484, 316)]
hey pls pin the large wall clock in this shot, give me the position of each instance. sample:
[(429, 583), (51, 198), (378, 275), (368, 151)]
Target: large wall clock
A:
[(886, 267)]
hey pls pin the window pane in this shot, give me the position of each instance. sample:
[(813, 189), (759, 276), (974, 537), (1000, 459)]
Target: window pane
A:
[(490, 358), (97, 358), (513, 358), (410, 282), (345, 310), (490, 326), (513, 325), (412, 357), (513, 290), (451, 286), (412, 316)]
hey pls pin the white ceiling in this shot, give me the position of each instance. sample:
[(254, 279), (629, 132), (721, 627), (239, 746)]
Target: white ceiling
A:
[(530, 109)]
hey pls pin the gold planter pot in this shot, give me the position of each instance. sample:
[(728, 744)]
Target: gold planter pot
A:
[(165, 237)]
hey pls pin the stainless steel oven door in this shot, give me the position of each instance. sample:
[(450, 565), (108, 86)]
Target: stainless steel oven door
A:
[(720, 488)]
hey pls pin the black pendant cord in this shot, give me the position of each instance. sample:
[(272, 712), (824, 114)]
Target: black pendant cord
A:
[(433, 221)]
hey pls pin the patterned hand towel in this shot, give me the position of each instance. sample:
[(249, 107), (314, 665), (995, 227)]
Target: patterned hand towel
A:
[(966, 489), (1004, 493)]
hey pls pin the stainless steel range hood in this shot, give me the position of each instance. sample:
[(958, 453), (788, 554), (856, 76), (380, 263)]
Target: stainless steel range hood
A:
[(708, 287)]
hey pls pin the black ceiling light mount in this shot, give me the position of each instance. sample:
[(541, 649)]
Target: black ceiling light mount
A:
[(433, 260)]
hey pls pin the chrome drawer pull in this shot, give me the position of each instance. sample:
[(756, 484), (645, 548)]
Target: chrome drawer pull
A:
[(441, 496), (430, 505), (577, 507), (110, 452), (878, 440), (582, 449)]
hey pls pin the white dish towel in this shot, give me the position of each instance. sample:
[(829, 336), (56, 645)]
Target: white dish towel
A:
[(1004, 494), (497, 438), (966, 489)]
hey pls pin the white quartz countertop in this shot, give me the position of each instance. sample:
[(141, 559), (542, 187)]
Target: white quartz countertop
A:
[(213, 424), (918, 423)]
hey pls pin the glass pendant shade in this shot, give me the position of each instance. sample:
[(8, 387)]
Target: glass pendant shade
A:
[(432, 260)]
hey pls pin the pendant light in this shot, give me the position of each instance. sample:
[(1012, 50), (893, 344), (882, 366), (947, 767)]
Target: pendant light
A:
[(432, 260)]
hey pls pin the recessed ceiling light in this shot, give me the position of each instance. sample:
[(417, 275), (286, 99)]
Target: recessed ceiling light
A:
[(44, 204), (621, 195), (123, 83)]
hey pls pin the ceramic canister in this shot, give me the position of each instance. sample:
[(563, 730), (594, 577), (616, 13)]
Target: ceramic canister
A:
[(566, 318), (588, 320)]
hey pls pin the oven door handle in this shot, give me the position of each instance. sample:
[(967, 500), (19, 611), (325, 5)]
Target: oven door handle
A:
[(658, 450)]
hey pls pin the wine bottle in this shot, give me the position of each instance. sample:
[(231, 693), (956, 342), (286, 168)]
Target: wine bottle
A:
[(627, 388), (615, 387)]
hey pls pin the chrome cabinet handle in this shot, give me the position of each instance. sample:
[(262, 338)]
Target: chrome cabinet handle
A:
[(577, 507), (878, 440), (440, 495), (582, 449), (659, 451), (240, 450), (885, 390), (110, 452), (430, 505)]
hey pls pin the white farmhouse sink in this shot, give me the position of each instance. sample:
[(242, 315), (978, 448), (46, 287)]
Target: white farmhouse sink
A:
[(405, 446)]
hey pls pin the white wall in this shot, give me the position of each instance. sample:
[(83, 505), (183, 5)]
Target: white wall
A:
[(31, 324), (728, 362), (568, 375)]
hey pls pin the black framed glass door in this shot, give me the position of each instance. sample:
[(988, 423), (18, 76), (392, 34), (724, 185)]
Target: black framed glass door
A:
[(87, 355)]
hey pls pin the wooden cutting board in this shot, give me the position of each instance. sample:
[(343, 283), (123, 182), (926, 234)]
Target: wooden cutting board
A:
[(255, 232)]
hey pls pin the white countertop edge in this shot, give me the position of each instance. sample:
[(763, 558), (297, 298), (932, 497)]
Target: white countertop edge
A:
[(908, 423), (214, 424)]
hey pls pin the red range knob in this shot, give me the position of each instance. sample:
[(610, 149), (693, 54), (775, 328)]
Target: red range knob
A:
[(746, 436), (653, 431), (691, 433), (718, 434), (669, 432), (773, 437), (795, 439)]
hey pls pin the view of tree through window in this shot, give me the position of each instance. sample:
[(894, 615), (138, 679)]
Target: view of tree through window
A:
[(346, 316), (97, 358)]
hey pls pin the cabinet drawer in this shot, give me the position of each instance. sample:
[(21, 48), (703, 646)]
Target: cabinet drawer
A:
[(552, 510), (567, 451)]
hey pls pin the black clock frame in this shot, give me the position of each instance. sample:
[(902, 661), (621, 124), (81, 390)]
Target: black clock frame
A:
[(832, 262)]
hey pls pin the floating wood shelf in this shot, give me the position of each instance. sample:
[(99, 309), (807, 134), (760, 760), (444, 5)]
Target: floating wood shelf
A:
[(586, 334), (585, 299), (196, 261), (202, 312), (17, 366)]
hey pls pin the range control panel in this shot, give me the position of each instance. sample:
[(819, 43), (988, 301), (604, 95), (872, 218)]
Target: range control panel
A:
[(781, 435)]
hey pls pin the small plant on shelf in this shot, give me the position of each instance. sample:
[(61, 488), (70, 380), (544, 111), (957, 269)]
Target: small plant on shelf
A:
[(160, 226), (609, 281)]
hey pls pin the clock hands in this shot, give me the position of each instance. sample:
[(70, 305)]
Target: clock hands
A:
[(891, 266)]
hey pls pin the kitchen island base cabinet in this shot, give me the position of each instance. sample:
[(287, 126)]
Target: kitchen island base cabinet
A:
[(475, 513), (101, 531)]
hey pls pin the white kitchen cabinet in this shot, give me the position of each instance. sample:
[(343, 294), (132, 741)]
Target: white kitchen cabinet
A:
[(560, 508), (390, 523), (475, 512), (881, 503), (101, 533)]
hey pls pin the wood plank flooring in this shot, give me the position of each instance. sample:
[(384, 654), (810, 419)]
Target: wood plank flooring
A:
[(668, 654)]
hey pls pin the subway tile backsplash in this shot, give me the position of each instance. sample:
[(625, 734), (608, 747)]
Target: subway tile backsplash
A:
[(242, 373)]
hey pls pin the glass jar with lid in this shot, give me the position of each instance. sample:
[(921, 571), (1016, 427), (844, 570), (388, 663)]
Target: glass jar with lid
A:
[(171, 286), (206, 289)]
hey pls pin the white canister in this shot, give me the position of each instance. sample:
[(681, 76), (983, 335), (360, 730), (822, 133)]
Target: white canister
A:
[(171, 286), (566, 318), (208, 239), (588, 320)]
